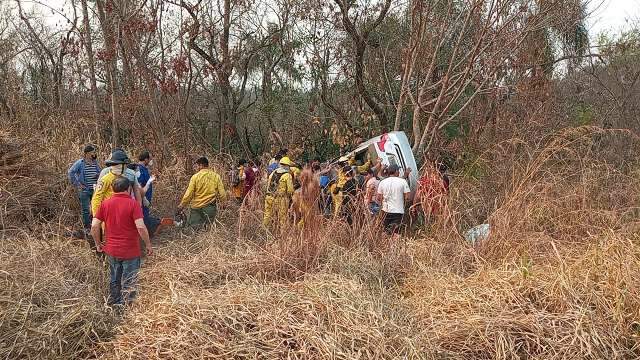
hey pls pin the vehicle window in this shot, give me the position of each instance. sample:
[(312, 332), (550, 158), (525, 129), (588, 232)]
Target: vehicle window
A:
[(373, 154), (361, 156)]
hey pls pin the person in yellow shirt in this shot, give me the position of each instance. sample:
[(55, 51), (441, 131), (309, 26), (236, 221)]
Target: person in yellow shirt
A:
[(279, 192), (203, 193), (237, 180), (116, 166)]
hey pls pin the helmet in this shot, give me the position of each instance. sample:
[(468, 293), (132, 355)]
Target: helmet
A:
[(286, 161), (118, 157)]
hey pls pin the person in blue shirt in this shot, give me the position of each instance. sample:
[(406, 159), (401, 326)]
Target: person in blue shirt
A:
[(145, 161), (83, 175), (274, 163)]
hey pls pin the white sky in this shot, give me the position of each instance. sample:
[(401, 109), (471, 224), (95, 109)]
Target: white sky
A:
[(611, 16)]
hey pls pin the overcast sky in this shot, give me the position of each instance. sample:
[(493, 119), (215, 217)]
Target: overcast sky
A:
[(612, 15), (606, 15)]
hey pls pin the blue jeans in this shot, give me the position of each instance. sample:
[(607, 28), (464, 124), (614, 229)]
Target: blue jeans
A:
[(85, 203), (124, 278), (150, 221), (374, 208)]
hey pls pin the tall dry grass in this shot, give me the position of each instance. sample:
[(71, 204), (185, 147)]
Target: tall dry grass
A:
[(556, 279)]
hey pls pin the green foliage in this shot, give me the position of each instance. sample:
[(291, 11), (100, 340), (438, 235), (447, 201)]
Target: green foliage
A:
[(583, 115)]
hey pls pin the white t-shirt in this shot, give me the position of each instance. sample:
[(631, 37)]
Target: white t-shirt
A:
[(393, 190)]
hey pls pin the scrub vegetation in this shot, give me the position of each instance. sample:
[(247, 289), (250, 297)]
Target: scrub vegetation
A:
[(540, 135)]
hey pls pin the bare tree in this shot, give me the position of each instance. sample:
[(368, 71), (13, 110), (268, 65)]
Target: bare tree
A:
[(53, 57), (88, 43), (359, 34)]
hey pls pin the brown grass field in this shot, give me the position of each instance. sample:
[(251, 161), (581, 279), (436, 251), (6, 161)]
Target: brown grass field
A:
[(557, 279)]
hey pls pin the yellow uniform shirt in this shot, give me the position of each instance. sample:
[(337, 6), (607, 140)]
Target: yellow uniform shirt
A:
[(103, 191), (205, 187), (285, 184)]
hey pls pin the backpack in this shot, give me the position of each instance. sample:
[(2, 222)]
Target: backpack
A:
[(234, 177), (272, 187)]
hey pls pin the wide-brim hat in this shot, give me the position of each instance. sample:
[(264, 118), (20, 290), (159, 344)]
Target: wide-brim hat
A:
[(118, 157)]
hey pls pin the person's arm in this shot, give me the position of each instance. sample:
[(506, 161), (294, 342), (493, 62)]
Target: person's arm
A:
[(289, 184), (147, 186), (137, 193), (144, 234), (407, 192), (72, 174), (96, 233), (222, 193), (188, 195)]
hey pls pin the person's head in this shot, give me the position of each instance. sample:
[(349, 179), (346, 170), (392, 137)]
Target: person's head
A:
[(442, 167), (257, 163), (118, 161), (90, 152), (393, 170), (369, 174), (347, 170), (145, 158), (285, 162), (202, 163), (315, 167), (242, 162), (121, 184)]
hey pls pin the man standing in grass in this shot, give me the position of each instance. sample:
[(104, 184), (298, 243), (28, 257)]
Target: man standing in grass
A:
[(202, 196), (124, 225), (393, 194), (83, 175)]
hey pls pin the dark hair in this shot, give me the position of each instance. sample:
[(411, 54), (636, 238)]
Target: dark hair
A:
[(121, 184), (89, 148), (144, 155), (133, 166), (392, 169), (278, 156), (442, 167), (347, 169), (242, 162), (257, 162), (316, 167), (203, 161)]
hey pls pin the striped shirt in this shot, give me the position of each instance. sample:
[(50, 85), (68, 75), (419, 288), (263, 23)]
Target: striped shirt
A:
[(90, 175)]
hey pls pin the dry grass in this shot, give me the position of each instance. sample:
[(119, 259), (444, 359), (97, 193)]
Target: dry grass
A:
[(557, 279)]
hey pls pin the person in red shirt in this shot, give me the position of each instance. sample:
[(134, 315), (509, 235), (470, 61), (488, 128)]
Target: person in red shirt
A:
[(250, 178), (433, 189), (124, 224)]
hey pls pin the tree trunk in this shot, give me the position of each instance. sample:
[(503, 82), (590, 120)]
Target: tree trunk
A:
[(90, 59), (110, 30)]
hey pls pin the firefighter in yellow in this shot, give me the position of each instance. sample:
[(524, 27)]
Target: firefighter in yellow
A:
[(204, 192), (279, 192), (336, 188), (116, 166)]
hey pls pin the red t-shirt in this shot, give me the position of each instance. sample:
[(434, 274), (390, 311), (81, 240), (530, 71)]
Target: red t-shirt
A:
[(119, 214), (250, 179)]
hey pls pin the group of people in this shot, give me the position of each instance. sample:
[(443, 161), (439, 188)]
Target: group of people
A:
[(348, 190), (115, 201)]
